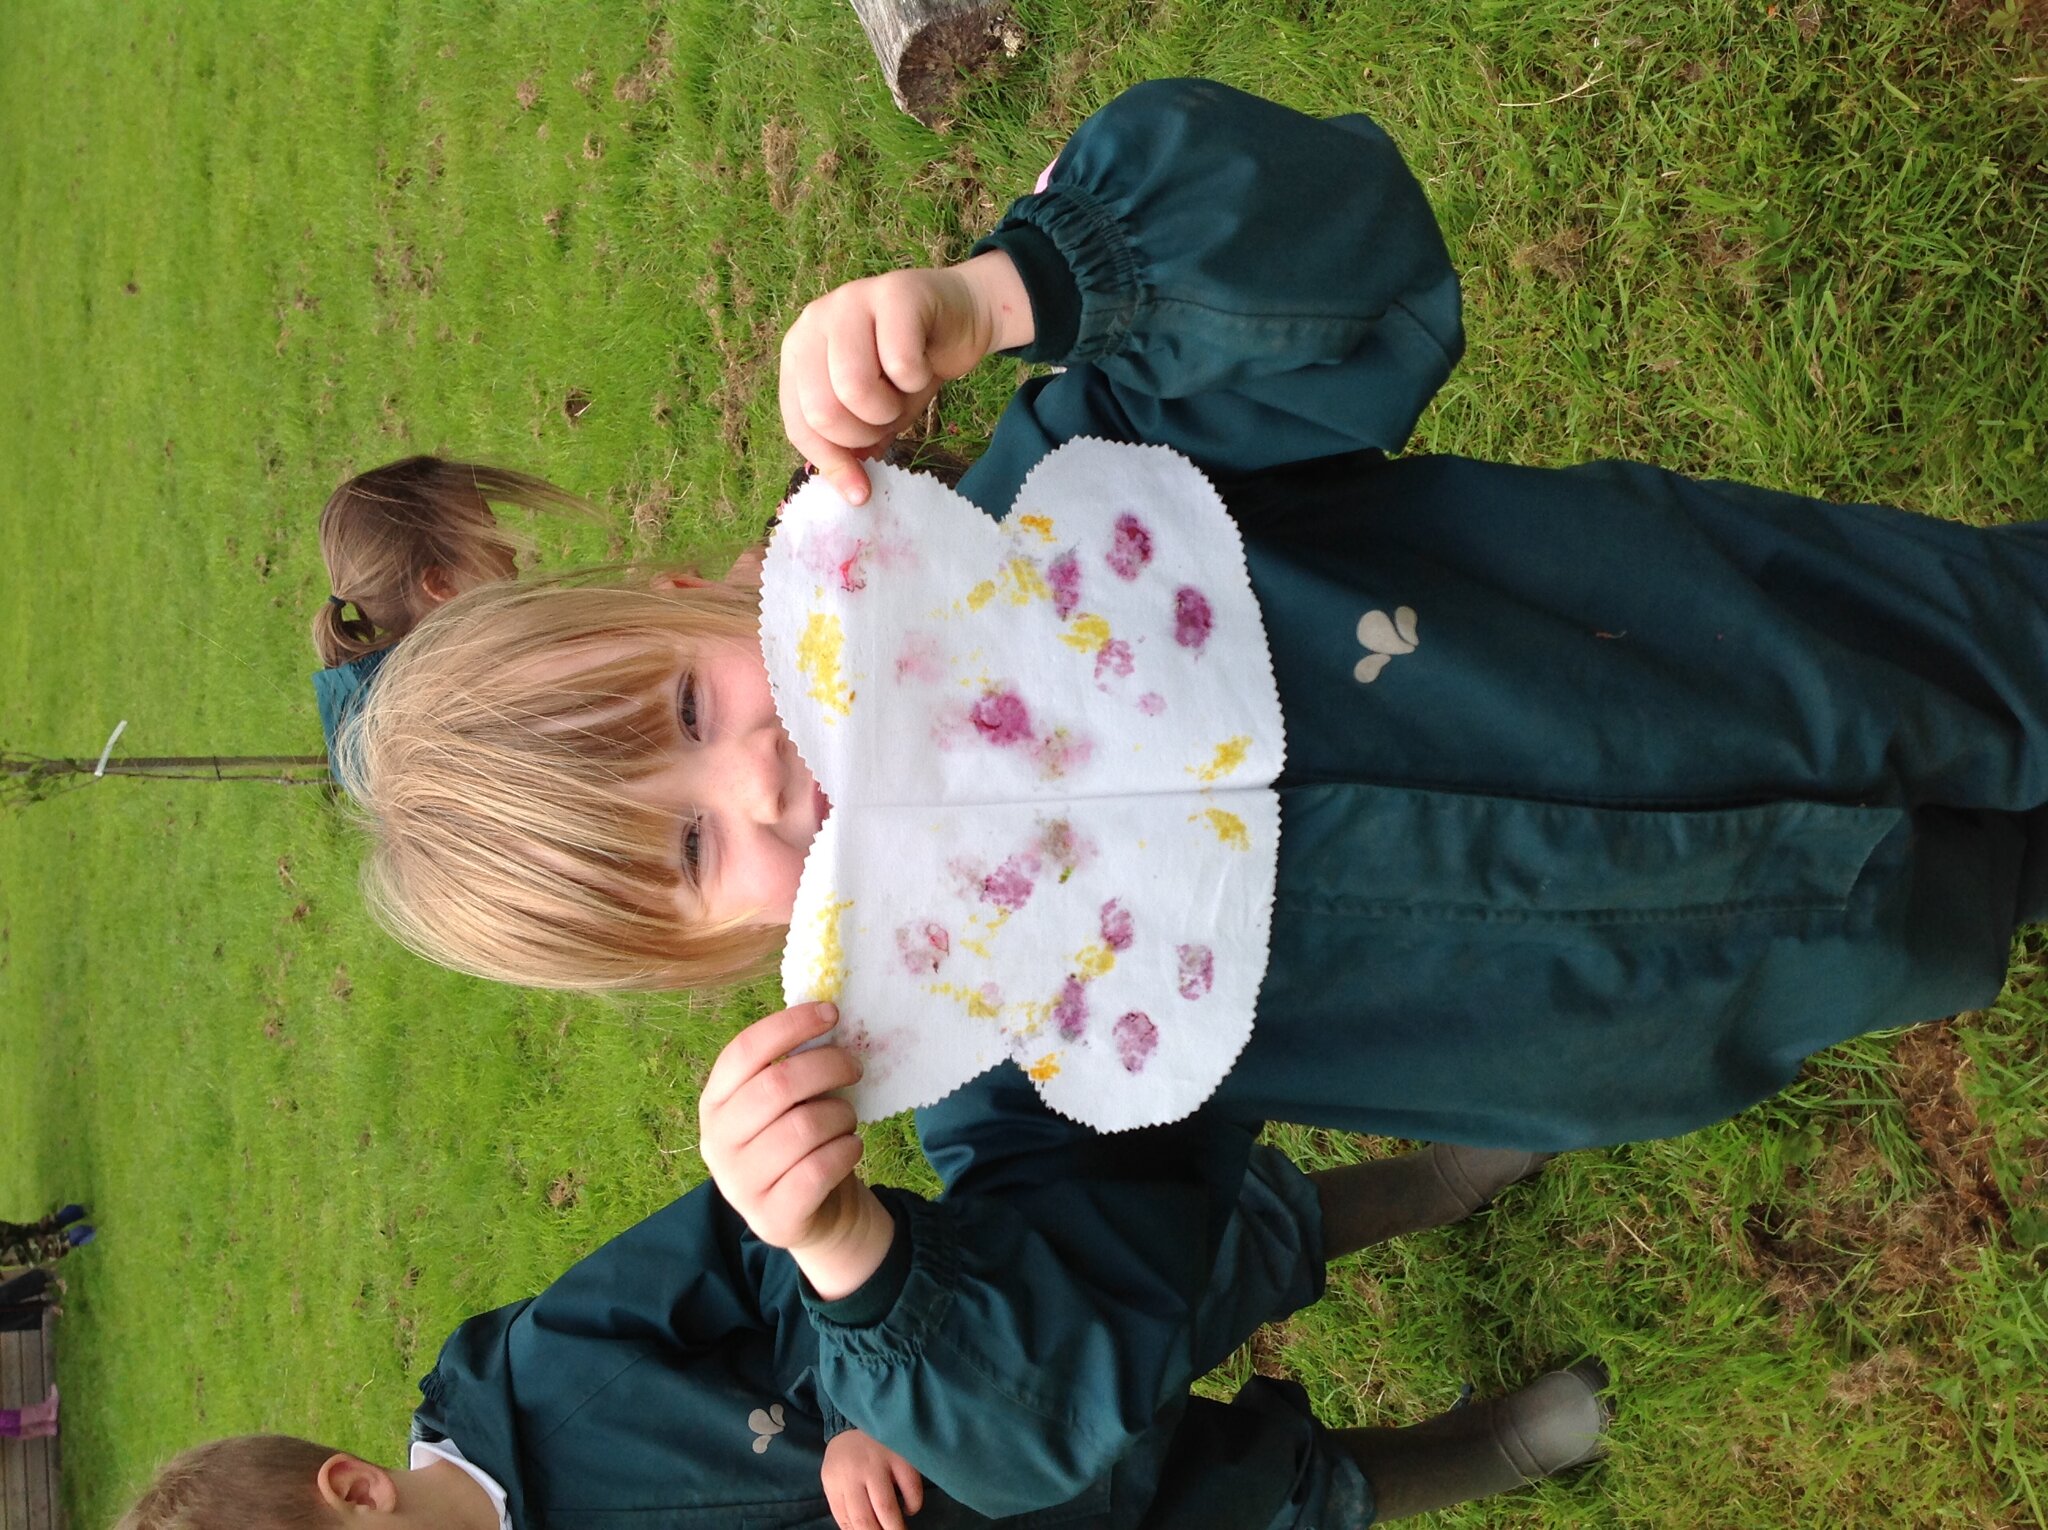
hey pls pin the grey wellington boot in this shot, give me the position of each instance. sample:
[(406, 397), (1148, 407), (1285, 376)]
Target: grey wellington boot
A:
[(1368, 1203), (1478, 1449)]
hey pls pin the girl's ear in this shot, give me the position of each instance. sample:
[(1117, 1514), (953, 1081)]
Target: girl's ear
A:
[(349, 1482), (438, 584)]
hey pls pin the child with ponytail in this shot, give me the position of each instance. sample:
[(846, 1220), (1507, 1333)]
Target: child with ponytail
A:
[(400, 540)]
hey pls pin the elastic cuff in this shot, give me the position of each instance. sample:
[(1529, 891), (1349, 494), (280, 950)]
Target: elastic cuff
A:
[(919, 1292), (1080, 268), (874, 1300), (1049, 283)]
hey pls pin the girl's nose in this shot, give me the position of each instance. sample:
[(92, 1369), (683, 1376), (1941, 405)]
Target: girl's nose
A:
[(754, 770)]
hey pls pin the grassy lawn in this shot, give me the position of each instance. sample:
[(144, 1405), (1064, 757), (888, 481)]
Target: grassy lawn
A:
[(249, 247)]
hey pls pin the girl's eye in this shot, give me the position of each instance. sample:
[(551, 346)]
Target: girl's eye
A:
[(693, 851), (686, 706)]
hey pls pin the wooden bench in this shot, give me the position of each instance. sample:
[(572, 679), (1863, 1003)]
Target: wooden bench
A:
[(29, 1499)]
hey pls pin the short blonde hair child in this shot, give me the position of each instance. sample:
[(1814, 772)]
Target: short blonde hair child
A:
[(496, 753), (249, 1482), (385, 531)]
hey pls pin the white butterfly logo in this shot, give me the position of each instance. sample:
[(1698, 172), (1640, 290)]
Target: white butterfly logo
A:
[(1384, 638), (766, 1424)]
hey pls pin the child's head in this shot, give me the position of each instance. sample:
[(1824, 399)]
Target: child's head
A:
[(581, 786), (401, 539), (251, 1482), (276, 1482)]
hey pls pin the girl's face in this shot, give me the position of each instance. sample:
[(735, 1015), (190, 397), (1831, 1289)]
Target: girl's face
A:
[(747, 808)]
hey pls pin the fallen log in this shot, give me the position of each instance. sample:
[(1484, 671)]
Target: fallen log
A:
[(927, 47)]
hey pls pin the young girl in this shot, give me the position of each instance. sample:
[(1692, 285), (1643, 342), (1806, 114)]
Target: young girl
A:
[(1666, 785), (398, 541), (1679, 783), (672, 1379)]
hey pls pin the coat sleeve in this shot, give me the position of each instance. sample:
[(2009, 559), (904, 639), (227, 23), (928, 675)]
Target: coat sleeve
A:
[(690, 1284), (1228, 277), (1063, 1293)]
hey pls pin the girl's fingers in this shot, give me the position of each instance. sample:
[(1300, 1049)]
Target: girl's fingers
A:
[(909, 1483), (781, 1088), (840, 467), (859, 385), (832, 358), (902, 345), (825, 413), (758, 1045), (882, 1495), (791, 1203), (850, 1510), (747, 1173), (789, 1141)]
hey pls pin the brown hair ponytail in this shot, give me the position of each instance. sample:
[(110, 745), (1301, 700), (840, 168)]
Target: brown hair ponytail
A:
[(389, 534)]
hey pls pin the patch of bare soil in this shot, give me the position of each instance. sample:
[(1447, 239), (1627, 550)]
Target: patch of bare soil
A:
[(778, 161), (746, 348), (1727, 256), (1946, 1125), (640, 84), (2010, 20), (1269, 1351), (1838, 1222), (1560, 257), (1884, 1374), (649, 516)]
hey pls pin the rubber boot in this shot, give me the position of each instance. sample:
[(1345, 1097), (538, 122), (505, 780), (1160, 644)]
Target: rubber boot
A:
[(1479, 1449), (1368, 1203), (66, 1215)]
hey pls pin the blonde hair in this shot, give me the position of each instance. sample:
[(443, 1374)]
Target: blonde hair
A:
[(496, 754), (250, 1482), (384, 531)]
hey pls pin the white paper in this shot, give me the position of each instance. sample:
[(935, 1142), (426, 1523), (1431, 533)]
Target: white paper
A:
[(1049, 745)]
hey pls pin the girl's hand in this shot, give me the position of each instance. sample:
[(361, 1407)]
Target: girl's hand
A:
[(861, 362), (863, 1479), (781, 1148)]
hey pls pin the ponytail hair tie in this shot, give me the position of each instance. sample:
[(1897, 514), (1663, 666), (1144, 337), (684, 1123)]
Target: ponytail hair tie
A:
[(337, 601)]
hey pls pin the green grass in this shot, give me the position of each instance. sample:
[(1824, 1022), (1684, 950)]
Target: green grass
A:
[(252, 247)]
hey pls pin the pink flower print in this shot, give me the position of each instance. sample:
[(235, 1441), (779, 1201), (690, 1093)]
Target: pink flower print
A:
[(1001, 717), (923, 947), (1136, 1038), (1070, 1009), (1130, 547), (1066, 847), (1112, 658), (835, 555), (967, 876), (1151, 703), (920, 659), (1192, 618), (1063, 574), (1061, 751), (1197, 970), (1116, 926), (1009, 885)]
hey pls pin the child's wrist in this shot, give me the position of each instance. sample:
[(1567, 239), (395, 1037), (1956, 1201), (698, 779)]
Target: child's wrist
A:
[(1004, 301), (841, 1264)]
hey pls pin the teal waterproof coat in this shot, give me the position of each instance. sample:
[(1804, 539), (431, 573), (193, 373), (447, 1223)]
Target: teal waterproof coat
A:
[(1029, 1344), (1678, 783)]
